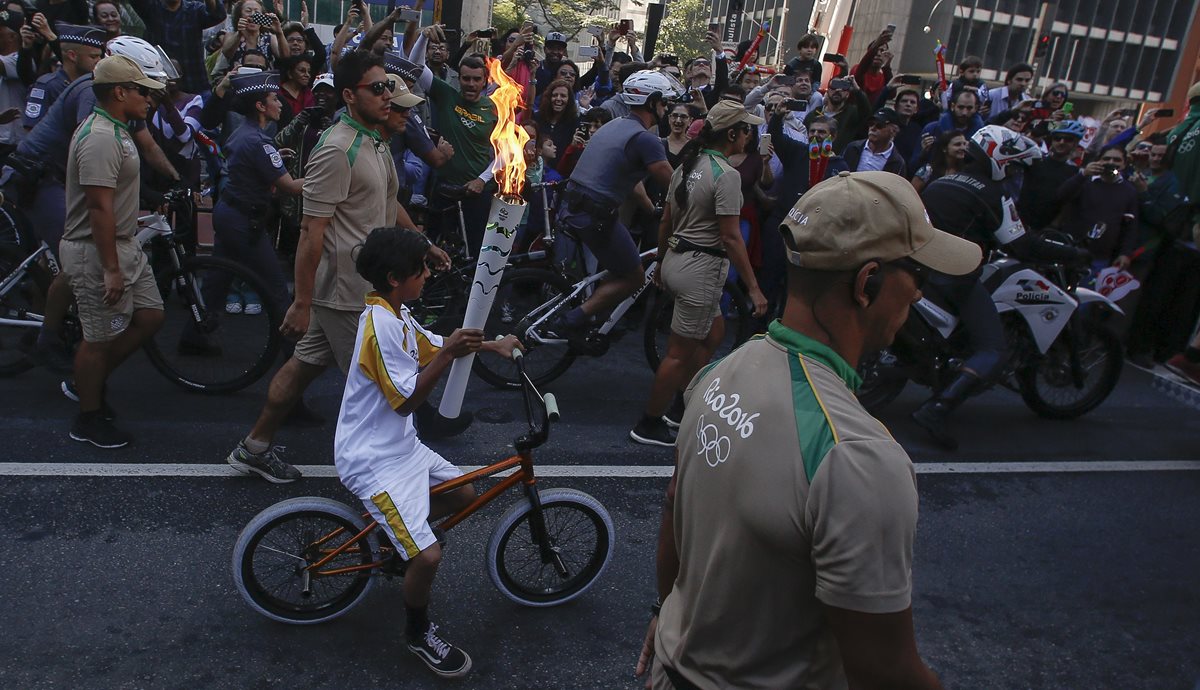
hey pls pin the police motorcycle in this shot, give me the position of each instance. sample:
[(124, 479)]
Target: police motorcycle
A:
[(1063, 359)]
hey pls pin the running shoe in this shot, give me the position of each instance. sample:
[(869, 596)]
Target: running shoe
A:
[(98, 431), (653, 432), (233, 303), (675, 414), (267, 465), (445, 659)]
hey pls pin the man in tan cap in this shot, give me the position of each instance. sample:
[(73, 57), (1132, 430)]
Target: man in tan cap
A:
[(119, 303), (784, 559)]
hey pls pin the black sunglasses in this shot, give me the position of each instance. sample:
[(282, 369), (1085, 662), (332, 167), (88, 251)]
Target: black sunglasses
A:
[(143, 91), (377, 87), (1059, 93)]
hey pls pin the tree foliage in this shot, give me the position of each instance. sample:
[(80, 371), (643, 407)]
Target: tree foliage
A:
[(567, 16), (682, 30)]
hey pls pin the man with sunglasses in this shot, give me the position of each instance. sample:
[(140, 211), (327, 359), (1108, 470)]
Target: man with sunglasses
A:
[(350, 187), (1037, 203), (119, 303), (803, 576)]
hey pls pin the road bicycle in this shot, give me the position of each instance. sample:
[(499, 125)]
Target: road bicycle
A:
[(236, 351), (531, 299), (309, 560)]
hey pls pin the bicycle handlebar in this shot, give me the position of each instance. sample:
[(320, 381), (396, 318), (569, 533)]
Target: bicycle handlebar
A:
[(538, 433)]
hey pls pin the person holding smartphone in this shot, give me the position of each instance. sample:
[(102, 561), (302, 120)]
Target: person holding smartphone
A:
[(1100, 210)]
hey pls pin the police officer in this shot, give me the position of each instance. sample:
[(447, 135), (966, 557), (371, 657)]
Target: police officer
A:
[(253, 167), (81, 48), (620, 154)]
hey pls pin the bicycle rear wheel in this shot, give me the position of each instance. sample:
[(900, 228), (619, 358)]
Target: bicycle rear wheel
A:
[(27, 296), (580, 533), (524, 296), (273, 550), (202, 349), (735, 306)]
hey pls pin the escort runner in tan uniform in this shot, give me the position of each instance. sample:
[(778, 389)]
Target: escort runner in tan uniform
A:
[(794, 509)]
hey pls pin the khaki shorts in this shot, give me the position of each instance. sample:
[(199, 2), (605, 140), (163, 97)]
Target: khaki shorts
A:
[(330, 338), (102, 322), (696, 280)]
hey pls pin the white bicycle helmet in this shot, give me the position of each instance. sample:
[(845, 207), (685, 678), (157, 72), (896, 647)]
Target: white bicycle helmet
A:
[(640, 86), (1002, 147), (147, 56)]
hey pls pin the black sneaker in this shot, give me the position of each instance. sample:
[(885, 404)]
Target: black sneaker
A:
[(98, 431), (68, 389), (267, 465), (653, 432), (675, 413), (445, 659), (932, 418)]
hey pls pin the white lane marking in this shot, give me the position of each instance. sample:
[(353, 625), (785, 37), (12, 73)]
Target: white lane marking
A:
[(85, 469)]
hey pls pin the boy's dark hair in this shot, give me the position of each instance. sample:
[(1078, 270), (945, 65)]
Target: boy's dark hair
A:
[(395, 251), (969, 62), (351, 68), (600, 115), (809, 41), (473, 62)]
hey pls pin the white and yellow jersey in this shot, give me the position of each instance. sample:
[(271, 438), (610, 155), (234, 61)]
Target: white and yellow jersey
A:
[(372, 440)]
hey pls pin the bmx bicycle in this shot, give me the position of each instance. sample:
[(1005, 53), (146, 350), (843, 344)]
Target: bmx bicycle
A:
[(309, 560)]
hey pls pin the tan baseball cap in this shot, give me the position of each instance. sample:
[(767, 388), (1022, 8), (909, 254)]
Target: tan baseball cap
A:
[(401, 96), (118, 69), (726, 114), (853, 218)]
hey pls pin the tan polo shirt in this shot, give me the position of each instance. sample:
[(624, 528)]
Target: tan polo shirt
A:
[(352, 180), (714, 189), (102, 154), (789, 495)]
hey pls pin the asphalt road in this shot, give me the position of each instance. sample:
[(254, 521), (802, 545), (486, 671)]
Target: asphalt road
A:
[(1022, 580)]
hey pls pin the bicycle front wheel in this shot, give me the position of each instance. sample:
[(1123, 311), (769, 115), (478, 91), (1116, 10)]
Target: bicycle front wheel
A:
[(580, 540), (524, 297), (202, 349), (273, 551), (735, 307)]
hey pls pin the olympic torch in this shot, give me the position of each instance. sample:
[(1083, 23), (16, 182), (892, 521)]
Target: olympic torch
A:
[(508, 142)]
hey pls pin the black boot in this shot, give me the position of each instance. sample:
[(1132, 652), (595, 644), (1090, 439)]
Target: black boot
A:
[(932, 415)]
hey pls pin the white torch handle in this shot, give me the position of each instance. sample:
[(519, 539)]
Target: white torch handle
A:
[(493, 257)]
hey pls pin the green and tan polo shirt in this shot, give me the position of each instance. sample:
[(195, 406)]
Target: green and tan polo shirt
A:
[(102, 154), (789, 495), (714, 189), (352, 180)]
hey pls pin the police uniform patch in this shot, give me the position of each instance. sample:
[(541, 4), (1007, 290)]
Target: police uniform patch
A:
[(276, 159), (33, 109), (37, 93)]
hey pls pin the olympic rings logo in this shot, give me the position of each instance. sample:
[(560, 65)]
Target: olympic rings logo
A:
[(713, 445)]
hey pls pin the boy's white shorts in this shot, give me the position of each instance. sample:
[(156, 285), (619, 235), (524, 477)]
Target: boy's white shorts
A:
[(400, 500)]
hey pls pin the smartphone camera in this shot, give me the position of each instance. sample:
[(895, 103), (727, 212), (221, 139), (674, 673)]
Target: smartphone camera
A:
[(486, 33), (260, 19), (798, 105)]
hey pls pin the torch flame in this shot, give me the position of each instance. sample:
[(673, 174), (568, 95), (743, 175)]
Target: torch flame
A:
[(508, 138)]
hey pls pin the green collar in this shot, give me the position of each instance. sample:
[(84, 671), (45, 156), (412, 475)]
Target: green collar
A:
[(716, 154), (799, 344), (356, 125), (102, 113)]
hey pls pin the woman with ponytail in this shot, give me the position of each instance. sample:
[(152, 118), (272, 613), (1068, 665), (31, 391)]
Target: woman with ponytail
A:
[(698, 238)]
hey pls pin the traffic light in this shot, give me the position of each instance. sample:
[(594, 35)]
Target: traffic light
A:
[(1042, 49)]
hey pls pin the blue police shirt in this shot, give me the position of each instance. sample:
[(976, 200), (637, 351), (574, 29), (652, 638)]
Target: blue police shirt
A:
[(253, 164), (42, 95)]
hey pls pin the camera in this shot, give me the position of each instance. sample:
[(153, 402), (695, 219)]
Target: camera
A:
[(589, 51), (796, 104), (528, 55), (584, 130), (486, 33), (260, 19), (910, 80), (668, 59), (685, 98)]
